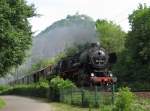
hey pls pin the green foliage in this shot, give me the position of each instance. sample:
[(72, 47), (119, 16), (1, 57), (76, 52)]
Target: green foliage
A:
[(56, 85), (138, 42), (4, 88), (124, 100), (15, 32), (2, 103), (43, 83), (59, 57), (138, 38), (111, 36), (127, 101), (60, 83), (39, 89), (123, 67), (134, 61)]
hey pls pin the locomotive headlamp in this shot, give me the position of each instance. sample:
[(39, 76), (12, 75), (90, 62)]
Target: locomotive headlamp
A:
[(92, 74), (110, 73), (100, 52)]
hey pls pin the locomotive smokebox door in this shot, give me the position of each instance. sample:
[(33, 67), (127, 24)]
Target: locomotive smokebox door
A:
[(112, 58)]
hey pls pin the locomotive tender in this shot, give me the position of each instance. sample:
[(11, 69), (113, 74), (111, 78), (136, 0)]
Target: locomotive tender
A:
[(89, 66)]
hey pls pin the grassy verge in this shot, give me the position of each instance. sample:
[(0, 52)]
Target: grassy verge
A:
[(65, 107), (140, 105), (144, 103), (2, 103)]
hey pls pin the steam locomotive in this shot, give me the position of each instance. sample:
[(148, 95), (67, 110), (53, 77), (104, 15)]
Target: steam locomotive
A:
[(89, 66)]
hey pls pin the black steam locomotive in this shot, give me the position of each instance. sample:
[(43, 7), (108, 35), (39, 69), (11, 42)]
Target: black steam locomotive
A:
[(89, 66)]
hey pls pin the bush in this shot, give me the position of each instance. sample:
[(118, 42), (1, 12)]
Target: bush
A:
[(60, 83), (4, 88), (124, 100), (56, 85), (2, 103), (39, 89)]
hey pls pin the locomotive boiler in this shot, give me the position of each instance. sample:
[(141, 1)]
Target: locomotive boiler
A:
[(89, 66)]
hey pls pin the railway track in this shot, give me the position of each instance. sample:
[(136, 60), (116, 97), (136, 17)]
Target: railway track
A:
[(143, 94)]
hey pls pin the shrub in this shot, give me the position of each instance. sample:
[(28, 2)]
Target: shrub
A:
[(2, 103), (60, 83), (124, 100), (4, 88), (39, 89), (56, 85)]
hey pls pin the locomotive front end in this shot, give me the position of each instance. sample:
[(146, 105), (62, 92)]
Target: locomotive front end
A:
[(99, 61), (99, 58), (102, 78)]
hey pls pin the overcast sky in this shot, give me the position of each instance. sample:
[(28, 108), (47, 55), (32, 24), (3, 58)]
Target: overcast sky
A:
[(53, 10)]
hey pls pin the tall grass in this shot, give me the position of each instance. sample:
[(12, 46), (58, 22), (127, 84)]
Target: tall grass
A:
[(2, 103)]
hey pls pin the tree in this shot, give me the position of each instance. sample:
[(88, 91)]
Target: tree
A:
[(134, 65), (15, 33), (110, 35), (138, 42)]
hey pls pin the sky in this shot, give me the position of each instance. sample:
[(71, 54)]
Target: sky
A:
[(54, 10)]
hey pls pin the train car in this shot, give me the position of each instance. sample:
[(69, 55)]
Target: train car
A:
[(34, 77)]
